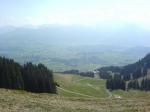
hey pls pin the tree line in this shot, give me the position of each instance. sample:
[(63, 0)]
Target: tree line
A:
[(128, 72), (132, 76), (77, 72), (116, 82), (144, 84), (29, 77)]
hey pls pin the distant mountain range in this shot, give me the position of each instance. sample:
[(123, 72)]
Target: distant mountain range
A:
[(75, 47), (129, 35)]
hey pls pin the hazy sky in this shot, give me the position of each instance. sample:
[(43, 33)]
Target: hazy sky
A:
[(74, 12)]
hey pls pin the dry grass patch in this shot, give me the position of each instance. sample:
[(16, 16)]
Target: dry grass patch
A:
[(20, 101)]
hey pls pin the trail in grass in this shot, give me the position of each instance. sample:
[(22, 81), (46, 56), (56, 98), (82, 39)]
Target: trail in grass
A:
[(77, 81), (109, 93), (76, 93), (93, 87), (90, 85)]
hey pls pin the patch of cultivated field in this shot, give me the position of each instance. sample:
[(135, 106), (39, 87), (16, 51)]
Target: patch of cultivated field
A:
[(75, 94)]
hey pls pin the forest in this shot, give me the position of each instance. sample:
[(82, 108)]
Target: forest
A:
[(132, 76), (28, 77)]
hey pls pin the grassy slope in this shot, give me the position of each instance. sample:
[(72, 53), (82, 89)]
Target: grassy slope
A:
[(21, 101), (86, 86)]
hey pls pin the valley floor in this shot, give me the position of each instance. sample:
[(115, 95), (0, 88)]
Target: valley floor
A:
[(72, 97)]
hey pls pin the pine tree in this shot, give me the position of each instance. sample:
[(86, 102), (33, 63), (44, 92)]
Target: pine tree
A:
[(30, 77)]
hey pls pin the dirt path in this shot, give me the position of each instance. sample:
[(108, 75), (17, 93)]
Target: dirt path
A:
[(76, 93), (90, 85), (85, 95), (75, 81)]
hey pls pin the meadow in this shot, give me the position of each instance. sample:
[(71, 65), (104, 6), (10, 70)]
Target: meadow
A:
[(75, 94)]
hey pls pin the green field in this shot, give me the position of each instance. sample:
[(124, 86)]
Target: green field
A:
[(75, 94), (66, 57), (78, 86)]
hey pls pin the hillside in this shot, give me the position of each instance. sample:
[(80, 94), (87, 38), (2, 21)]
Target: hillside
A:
[(132, 71), (77, 86), (132, 76), (132, 101)]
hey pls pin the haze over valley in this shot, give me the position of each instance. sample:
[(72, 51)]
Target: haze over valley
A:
[(67, 47)]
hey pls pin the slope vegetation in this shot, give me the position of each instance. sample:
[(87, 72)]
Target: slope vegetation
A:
[(77, 86), (73, 98)]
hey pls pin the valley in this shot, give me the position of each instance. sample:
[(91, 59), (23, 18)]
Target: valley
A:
[(74, 55), (65, 48)]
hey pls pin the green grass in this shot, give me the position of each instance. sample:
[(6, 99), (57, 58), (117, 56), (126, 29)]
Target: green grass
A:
[(87, 86), (132, 94), (21, 101)]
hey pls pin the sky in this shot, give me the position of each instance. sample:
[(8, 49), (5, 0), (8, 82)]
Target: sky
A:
[(74, 12)]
